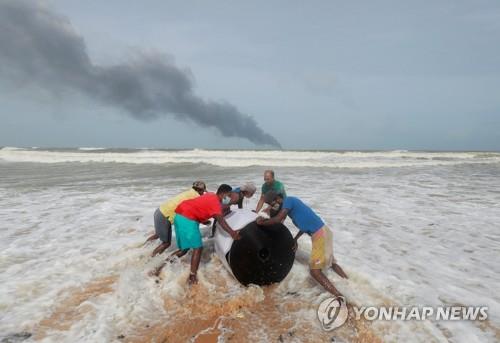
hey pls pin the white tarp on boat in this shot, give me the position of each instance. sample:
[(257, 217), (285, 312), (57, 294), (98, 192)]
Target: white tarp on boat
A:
[(237, 220)]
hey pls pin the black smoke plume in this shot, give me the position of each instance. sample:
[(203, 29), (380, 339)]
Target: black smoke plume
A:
[(40, 47)]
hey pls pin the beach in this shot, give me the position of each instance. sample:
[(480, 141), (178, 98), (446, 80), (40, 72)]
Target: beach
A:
[(410, 228)]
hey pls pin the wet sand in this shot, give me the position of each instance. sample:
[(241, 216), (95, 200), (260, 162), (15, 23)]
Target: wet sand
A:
[(210, 314), (248, 319), (72, 308)]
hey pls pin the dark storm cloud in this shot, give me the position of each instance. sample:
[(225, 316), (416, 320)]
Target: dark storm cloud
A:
[(39, 47)]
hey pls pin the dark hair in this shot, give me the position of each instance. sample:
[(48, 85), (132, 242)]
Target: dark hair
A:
[(224, 189), (270, 171), (199, 186), (270, 196)]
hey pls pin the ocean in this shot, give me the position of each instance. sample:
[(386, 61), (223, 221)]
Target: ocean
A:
[(410, 229)]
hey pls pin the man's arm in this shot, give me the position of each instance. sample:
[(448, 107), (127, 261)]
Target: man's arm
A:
[(220, 219), (274, 220), (282, 190), (297, 236), (226, 209), (260, 203), (295, 239)]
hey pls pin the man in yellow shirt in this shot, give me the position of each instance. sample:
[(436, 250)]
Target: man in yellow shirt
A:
[(164, 216)]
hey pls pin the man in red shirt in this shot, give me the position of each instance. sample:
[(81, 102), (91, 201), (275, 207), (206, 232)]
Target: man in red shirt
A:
[(190, 213)]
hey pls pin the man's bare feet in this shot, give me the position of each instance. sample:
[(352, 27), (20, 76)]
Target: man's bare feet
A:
[(160, 248), (156, 271), (318, 275), (151, 238), (337, 269), (192, 279)]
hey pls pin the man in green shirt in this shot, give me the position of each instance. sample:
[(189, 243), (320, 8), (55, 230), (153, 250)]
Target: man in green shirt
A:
[(270, 184)]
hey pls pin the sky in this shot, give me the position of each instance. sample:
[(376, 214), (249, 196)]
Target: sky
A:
[(416, 75)]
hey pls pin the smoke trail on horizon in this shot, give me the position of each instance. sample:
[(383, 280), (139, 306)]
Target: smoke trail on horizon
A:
[(40, 47)]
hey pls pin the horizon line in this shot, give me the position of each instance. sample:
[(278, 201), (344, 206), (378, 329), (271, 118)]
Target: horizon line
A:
[(90, 148)]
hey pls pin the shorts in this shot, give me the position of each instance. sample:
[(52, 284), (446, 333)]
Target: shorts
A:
[(322, 249), (163, 227), (187, 233)]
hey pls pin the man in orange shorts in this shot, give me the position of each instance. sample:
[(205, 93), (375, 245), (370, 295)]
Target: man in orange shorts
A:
[(307, 221)]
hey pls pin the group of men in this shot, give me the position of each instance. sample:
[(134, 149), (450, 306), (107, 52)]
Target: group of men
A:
[(194, 206)]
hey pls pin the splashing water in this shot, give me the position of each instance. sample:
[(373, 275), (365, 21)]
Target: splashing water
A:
[(73, 268)]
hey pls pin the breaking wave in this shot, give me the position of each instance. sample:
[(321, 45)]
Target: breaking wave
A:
[(246, 158)]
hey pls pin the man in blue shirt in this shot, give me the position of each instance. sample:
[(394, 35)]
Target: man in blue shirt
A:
[(307, 221)]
